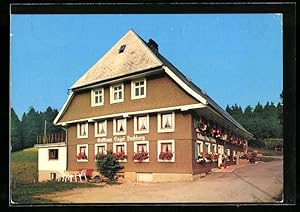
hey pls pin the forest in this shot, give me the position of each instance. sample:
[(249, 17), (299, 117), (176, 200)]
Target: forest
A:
[(263, 121)]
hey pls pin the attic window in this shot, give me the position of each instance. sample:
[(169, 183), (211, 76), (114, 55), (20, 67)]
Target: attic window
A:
[(122, 48)]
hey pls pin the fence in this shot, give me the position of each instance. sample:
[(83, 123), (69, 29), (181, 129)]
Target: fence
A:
[(51, 138)]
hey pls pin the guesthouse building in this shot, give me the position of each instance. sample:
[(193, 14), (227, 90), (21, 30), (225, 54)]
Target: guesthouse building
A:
[(158, 123)]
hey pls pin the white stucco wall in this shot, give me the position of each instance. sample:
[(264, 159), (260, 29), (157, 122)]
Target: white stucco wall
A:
[(54, 165)]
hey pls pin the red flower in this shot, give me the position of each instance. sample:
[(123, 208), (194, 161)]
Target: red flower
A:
[(140, 156), (81, 156), (165, 155), (120, 156)]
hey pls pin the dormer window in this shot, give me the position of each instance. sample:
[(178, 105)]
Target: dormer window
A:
[(122, 48)]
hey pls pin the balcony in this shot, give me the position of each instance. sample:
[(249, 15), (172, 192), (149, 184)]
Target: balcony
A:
[(52, 138)]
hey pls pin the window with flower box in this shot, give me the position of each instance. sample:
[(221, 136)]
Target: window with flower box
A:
[(165, 122), (166, 150), (82, 130), (53, 154), (120, 151), (97, 97), (138, 89), (100, 128), (116, 93), (141, 124), (119, 126), (82, 153), (141, 151), (100, 149)]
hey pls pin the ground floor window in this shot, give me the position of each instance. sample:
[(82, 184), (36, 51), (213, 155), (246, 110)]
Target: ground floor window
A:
[(234, 155), (220, 149), (141, 151), (100, 149), (207, 148), (214, 148), (166, 150), (82, 153), (53, 154), (228, 154), (120, 151)]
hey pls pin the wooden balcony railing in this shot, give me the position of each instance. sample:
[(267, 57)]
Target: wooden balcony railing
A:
[(51, 138)]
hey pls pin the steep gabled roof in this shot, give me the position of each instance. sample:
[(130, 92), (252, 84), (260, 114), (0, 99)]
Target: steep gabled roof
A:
[(135, 57), (138, 56)]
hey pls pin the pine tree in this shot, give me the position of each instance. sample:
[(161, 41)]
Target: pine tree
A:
[(16, 132), (32, 127)]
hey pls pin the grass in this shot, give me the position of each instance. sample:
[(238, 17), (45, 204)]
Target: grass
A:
[(23, 175), (24, 166)]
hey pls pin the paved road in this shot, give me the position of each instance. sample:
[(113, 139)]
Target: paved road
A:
[(261, 182)]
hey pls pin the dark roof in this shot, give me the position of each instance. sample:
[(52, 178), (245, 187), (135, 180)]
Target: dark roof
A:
[(198, 90)]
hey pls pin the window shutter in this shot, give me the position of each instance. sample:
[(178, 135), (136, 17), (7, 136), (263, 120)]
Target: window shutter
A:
[(196, 150), (195, 123)]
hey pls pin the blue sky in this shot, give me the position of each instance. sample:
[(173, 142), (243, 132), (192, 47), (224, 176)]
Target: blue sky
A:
[(234, 58)]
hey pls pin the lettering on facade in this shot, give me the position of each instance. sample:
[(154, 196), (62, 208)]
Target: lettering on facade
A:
[(121, 139)]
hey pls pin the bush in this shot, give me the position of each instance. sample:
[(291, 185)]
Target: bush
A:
[(108, 165)]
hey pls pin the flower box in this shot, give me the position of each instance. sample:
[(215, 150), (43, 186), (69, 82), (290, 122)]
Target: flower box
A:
[(81, 156), (140, 156), (165, 156), (120, 156)]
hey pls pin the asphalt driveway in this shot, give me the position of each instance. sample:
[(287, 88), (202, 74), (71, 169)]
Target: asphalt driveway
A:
[(261, 182)]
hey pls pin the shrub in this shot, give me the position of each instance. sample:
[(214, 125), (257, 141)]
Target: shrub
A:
[(108, 165)]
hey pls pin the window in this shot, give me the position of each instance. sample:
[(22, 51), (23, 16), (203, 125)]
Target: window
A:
[(207, 147), (97, 97), (82, 153), (141, 124), (82, 130), (228, 152), (200, 146), (53, 154), (166, 150), (138, 89), (166, 122), (122, 48), (234, 155), (214, 148), (119, 126), (120, 148), (221, 149), (116, 93), (141, 149), (100, 149), (100, 128)]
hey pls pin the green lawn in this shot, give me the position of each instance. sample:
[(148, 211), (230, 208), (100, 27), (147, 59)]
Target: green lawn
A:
[(24, 173), (266, 152)]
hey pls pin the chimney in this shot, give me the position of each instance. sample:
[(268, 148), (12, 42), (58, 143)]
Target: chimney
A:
[(153, 45)]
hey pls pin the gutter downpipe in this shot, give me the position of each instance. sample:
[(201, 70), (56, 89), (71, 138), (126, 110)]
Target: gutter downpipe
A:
[(66, 140)]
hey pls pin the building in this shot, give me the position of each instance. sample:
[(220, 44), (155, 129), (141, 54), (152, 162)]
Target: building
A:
[(134, 102)]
